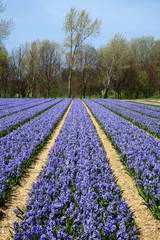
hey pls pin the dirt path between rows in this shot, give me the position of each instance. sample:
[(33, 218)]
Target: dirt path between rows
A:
[(152, 102), (20, 195), (144, 219)]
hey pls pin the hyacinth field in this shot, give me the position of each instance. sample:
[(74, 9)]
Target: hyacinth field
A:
[(76, 195), (140, 152)]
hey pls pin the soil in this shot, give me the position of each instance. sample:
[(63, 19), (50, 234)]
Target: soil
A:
[(19, 195), (145, 221), (152, 102)]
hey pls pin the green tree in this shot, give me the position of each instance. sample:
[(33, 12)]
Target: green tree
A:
[(131, 84), (145, 85), (114, 60), (5, 25), (155, 57), (5, 29), (78, 27), (3, 72), (141, 49)]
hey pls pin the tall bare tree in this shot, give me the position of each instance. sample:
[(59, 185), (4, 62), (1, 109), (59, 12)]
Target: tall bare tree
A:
[(86, 63), (78, 27), (18, 73), (49, 64), (31, 54)]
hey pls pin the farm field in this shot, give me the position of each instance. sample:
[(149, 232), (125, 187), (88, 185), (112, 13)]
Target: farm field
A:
[(82, 191)]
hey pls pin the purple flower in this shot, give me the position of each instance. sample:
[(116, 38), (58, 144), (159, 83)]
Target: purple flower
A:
[(79, 199)]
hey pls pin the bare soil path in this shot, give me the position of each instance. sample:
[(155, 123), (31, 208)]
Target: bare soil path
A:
[(152, 102), (20, 195), (144, 219)]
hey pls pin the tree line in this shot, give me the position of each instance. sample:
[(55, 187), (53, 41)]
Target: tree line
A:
[(122, 69)]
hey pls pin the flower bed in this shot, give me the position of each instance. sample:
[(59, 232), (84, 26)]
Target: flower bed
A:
[(10, 122), (13, 102), (141, 108), (76, 196), (145, 104), (17, 148), (147, 123), (140, 153), (21, 106)]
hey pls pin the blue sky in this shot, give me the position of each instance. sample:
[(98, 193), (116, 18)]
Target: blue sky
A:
[(43, 19)]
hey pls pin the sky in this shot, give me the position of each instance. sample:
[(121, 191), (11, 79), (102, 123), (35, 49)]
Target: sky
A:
[(44, 19)]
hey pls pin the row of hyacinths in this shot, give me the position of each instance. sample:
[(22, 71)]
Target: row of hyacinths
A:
[(152, 111), (140, 152), (76, 196), (16, 148), (8, 122), (6, 103), (145, 122), (13, 108)]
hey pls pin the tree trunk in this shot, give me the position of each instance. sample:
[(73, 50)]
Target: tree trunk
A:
[(84, 91), (48, 93), (69, 82), (48, 88), (30, 88), (106, 92), (107, 87), (0, 87), (119, 94)]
